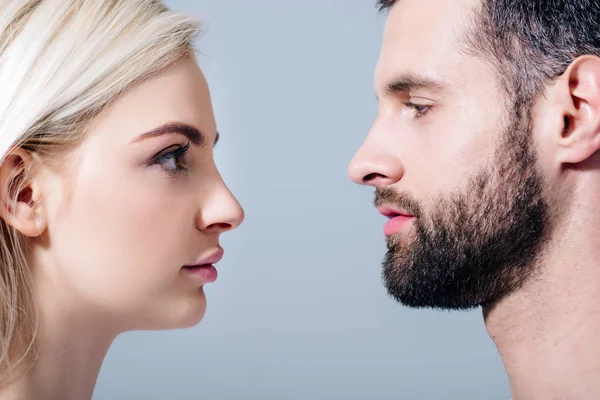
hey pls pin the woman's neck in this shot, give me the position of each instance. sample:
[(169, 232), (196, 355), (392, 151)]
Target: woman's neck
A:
[(65, 369), (70, 348)]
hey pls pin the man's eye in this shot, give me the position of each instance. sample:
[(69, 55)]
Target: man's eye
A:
[(419, 109)]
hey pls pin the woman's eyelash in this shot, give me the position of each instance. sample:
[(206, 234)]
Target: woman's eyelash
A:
[(171, 161), (420, 109)]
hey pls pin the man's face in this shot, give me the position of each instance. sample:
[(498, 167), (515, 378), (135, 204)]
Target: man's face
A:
[(454, 169)]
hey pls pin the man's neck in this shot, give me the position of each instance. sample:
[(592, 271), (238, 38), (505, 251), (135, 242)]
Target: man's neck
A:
[(548, 332)]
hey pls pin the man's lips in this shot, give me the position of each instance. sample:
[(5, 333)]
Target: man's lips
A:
[(398, 219), (392, 212)]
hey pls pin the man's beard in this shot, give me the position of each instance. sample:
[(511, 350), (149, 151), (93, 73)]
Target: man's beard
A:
[(475, 246)]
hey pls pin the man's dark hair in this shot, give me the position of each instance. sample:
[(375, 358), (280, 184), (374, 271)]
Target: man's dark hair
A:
[(531, 42)]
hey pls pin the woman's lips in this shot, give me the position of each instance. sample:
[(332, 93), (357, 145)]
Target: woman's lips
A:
[(204, 273), (203, 270), (214, 258)]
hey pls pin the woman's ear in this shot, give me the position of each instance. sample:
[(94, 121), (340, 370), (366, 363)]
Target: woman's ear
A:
[(20, 194)]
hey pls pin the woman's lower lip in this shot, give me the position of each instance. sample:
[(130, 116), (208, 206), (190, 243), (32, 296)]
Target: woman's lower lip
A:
[(203, 273), (394, 225)]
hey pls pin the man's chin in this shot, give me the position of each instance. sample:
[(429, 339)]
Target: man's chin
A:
[(418, 301), (422, 288)]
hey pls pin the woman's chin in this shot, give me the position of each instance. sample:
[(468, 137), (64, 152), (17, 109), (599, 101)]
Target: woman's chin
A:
[(189, 313), (185, 313)]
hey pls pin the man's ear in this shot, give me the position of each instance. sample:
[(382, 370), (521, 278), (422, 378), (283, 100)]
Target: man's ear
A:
[(20, 194), (580, 136)]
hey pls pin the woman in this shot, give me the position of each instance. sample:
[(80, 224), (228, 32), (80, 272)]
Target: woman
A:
[(111, 206)]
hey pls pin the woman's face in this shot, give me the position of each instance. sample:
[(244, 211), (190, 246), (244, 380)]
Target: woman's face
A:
[(140, 199)]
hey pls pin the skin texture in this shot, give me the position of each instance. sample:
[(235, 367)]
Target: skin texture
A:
[(544, 318), (112, 228)]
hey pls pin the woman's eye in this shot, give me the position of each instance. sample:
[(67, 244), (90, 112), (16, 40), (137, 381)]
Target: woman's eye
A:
[(172, 160)]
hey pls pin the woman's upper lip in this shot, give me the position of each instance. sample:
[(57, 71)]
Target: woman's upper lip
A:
[(213, 258), (392, 212)]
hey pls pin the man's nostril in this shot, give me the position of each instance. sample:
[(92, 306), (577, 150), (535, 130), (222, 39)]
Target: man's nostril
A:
[(371, 177)]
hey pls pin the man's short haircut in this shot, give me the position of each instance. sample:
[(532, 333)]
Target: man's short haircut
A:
[(531, 42)]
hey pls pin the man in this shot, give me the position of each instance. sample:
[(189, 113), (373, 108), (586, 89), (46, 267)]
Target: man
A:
[(485, 155)]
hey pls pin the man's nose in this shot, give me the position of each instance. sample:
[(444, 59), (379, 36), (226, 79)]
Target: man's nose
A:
[(375, 164)]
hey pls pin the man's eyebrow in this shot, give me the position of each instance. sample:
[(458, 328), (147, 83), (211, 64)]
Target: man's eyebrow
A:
[(410, 82), (189, 131)]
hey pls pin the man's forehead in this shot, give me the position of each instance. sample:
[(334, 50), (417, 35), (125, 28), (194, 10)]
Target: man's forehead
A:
[(433, 7), (423, 36)]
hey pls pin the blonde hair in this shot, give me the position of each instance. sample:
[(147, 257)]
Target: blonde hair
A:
[(62, 62)]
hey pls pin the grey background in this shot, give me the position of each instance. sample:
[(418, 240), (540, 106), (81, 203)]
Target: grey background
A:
[(299, 311)]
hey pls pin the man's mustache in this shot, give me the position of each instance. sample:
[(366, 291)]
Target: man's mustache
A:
[(388, 196)]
